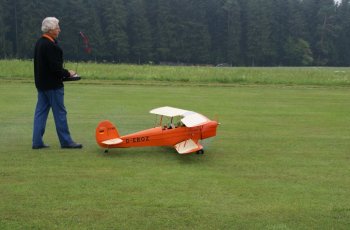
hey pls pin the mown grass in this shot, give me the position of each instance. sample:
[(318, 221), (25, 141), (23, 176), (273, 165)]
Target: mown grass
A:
[(280, 160), (337, 76)]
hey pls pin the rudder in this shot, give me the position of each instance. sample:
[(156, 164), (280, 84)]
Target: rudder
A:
[(106, 131)]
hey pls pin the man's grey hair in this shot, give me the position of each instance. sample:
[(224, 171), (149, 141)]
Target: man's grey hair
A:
[(49, 23)]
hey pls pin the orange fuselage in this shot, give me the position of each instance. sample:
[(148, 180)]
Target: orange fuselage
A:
[(157, 136)]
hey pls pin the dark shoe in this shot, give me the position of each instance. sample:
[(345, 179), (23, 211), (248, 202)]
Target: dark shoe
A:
[(72, 146), (40, 146)]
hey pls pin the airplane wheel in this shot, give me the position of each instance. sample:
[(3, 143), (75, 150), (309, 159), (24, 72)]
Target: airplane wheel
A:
[(200, 151), (106, 150)]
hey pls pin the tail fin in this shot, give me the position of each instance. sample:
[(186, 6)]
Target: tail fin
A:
[(107, 134)]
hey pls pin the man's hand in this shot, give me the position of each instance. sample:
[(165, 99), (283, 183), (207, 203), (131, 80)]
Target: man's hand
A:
[(72, 73), (73, 76)]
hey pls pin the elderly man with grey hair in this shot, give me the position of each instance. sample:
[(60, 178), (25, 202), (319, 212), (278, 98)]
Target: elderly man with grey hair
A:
[(49, 75)]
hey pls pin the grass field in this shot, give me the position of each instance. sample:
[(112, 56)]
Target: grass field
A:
[(280, 160), (149, 74)]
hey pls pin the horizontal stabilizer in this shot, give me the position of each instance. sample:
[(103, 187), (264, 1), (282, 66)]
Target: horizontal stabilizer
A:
[(187, 146), (114, 141)]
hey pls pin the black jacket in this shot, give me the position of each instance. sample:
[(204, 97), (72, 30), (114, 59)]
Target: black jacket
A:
[(48, 65)]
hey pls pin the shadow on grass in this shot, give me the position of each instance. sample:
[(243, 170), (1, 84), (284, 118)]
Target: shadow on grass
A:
[(152, 153)]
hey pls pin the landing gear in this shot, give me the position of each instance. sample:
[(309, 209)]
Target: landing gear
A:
[(106, 151), (200, 151)]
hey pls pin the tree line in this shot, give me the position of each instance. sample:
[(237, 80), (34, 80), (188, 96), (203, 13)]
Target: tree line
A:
[(226, 32)]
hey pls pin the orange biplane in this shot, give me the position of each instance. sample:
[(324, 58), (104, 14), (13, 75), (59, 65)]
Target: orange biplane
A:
[(178, 128)]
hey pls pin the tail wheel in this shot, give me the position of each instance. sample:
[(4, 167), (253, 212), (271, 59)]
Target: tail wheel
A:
[(200, 151)]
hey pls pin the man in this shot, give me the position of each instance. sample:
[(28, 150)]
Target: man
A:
[(49, 74)]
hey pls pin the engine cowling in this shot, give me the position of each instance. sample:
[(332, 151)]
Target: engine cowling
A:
[(209, 129)]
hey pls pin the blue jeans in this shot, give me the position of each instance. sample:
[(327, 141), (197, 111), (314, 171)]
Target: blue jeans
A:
[(51, 99)]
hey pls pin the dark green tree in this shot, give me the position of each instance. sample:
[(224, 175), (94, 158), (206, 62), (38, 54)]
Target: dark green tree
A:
[(342, 40), (160, 18), (326, 31), (281, 13), (216, 27), (232, 32), (139, 32), (29, 25), (6, 45), (74, 17), (296, 24), (260, 50), (114, 20), (97, 40), (321, 27), (297, 52), (236, 32), (191, 36)]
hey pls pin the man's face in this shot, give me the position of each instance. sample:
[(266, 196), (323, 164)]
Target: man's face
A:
[(55, 32)]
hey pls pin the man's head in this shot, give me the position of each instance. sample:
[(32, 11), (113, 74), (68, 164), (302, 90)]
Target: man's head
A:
[(50, 26)]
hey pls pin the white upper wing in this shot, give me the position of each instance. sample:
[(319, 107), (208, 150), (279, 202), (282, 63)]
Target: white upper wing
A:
[(190, 119), (169, 111), (194, 119)]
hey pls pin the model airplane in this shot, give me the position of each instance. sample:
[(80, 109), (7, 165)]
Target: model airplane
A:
[(178, 128)]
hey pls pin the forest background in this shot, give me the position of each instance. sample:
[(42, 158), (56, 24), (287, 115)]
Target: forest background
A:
[(186, 32)]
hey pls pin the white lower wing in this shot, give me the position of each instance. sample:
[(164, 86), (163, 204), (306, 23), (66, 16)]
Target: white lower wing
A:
[(112, 141), (187, 146)]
